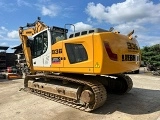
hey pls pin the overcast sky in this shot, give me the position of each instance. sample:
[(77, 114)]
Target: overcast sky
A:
[(124, 15)]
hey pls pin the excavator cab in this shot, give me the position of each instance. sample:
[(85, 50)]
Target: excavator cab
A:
[(41, 43)]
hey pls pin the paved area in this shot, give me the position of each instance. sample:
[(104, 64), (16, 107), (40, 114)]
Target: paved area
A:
[(141, 103)]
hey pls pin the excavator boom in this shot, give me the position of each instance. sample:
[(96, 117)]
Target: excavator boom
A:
[(24, 33)]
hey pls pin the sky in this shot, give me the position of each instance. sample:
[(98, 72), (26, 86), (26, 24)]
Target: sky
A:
[(142, 16)]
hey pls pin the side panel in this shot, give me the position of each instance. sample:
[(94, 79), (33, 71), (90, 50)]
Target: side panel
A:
[(78, 54), (98, 54)]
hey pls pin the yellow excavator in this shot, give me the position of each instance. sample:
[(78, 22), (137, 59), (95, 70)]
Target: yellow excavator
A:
[(78, 70)]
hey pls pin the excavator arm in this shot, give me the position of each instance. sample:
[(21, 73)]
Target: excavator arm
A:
[(24, 33)]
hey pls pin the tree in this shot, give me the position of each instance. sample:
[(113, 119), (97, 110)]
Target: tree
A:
[(151, 55)]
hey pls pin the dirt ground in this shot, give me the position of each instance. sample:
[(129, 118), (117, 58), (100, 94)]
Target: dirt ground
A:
[(141, 103)]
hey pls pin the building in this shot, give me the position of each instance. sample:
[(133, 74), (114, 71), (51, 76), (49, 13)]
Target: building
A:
[(6, 59)]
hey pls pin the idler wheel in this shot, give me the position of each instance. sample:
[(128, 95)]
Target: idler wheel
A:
[(87, 96)]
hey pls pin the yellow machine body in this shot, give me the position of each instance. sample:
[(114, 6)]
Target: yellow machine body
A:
[(105, 53)]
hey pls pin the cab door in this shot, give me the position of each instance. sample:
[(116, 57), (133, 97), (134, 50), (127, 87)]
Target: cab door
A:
[(41, 49)]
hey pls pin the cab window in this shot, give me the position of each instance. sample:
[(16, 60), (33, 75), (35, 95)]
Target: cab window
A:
[(57, 36), (40, 44)]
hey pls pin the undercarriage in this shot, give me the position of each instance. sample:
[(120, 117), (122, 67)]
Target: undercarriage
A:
[(83, 92)]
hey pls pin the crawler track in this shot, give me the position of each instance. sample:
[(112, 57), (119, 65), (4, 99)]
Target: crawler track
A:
[(120, 85), (98, 89), (125, 88)]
